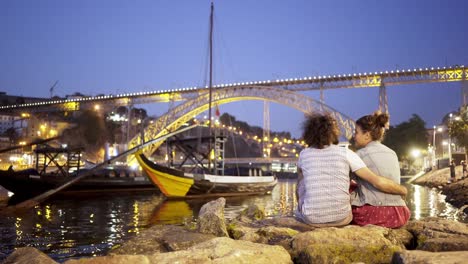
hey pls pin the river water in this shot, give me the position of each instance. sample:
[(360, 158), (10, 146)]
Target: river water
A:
[(90, 225)]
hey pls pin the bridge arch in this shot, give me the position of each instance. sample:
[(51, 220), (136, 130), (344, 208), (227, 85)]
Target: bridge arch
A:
[(184, 112)]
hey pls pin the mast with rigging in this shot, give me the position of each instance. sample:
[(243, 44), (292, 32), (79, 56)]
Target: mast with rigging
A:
[(210, 87)]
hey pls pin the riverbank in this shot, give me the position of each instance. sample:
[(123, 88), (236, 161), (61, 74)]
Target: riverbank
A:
[(456, 192), (252, 238)]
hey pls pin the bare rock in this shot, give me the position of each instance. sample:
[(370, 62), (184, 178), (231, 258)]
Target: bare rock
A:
[(115, 259), (417, 256), (211, 218), (239, 231), (28, 255), (218, 250), (226, 250), (161, 238), (457, 193), (344, 245), (288, 222), (437, 234), (401, 237), (281, 236), (252, 213)]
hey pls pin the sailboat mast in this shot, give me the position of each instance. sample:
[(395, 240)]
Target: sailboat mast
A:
[(210, 84)]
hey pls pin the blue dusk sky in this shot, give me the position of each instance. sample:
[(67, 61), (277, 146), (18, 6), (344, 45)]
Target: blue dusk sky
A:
[(111, 47)]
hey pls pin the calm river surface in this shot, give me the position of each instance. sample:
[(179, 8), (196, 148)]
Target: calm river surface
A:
[(86, 225)]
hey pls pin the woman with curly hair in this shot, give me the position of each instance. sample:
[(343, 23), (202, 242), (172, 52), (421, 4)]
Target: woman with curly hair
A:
[(323, 175), (370, 205)]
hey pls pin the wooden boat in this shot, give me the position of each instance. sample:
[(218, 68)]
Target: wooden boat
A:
[(177, 183), (29, 182)]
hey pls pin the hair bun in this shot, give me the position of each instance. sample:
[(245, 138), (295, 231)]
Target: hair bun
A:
[(381, 119)]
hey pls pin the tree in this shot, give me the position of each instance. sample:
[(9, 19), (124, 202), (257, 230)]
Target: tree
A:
[(89, 133), (406, 136), (458, 129)]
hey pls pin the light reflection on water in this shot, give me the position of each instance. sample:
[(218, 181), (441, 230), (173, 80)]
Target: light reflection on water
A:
[(74, 227)]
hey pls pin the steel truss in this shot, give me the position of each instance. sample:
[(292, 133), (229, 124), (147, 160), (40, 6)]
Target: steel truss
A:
[(181, 114)]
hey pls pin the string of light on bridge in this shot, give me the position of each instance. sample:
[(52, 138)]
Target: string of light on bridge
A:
[(278, 82)]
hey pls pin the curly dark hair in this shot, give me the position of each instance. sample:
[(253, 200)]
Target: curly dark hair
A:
[(320, 130), (375, 124)]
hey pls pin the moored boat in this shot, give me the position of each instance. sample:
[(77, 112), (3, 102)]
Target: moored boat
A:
[(175, 183), (30, 181)]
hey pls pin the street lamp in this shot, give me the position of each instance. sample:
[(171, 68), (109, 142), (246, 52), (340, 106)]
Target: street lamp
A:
[(436, 129), (449, 139), (433, 148)]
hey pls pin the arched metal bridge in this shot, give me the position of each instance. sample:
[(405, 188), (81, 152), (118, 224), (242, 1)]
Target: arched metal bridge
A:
[(380, 79), (184, 112)]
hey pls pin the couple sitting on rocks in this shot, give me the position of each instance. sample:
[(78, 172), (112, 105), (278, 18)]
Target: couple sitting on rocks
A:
[(323, 188)]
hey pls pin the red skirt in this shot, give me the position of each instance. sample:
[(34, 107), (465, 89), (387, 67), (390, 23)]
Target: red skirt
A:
[(386, 216)]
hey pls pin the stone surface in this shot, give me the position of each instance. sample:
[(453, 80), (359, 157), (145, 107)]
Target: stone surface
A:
[(161, 238), (218, 250), (211, 218), (286, 221), (254, 213), (402, 238), (28, 255), (457, 193), (349, 244), (417, 256), (437, 234)]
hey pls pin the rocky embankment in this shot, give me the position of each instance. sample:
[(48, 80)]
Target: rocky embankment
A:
[(251, 238), (456, 192)]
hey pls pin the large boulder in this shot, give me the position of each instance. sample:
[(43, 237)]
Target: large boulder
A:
[(161, 238), (369, 244), (28, 255), (417, 256), (211, 218), (217, 250), (437, 234)]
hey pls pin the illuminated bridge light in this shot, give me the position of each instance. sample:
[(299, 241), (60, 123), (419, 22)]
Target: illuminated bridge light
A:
[(432, 68)]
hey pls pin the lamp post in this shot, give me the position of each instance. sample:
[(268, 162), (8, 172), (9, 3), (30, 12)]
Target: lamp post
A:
[(449, 139), (434, 148)]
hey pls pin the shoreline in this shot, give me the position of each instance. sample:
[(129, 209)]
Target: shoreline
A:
[(456, 192)]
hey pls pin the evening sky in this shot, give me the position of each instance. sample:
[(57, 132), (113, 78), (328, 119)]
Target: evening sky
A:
[(111, 47)]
